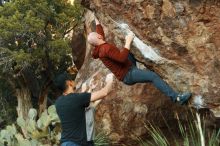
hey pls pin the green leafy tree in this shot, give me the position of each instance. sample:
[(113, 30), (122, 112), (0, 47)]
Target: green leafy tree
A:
[(33, 46)]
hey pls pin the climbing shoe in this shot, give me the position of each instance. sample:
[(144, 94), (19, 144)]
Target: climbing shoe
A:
[(182, 98)]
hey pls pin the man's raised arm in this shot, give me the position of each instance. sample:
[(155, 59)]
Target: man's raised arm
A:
[(121, 56), (104, 91), (84, 89)]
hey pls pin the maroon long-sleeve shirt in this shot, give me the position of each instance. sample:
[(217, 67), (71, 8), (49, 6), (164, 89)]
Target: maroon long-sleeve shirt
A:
[(114, 59)]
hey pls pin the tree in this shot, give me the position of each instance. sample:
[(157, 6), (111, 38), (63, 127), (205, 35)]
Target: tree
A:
[(33, 47)]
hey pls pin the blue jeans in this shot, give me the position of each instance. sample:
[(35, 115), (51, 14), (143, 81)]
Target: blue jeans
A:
[(136, 75), (69, 143)]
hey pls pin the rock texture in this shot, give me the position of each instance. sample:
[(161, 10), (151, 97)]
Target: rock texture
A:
[(180, 40)]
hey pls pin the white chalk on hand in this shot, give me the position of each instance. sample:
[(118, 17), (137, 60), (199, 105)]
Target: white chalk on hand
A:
[(131, 33), (109, 77), (84, 87)]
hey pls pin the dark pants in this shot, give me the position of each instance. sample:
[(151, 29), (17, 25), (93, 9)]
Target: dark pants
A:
[(69, 143), (90, 143), (136, 75)]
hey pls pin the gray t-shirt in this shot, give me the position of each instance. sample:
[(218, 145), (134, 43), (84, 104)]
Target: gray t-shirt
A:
[(90, 123)]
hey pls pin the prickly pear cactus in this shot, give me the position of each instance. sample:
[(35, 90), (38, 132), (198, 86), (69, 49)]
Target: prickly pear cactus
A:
[(34, 132), (7, 135)]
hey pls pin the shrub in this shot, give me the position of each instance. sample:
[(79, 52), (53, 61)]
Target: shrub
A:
[(45, 131), (193, 133)]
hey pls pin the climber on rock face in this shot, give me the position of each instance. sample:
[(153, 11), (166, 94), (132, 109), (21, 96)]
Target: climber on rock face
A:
[(123, 64), (70, 107)]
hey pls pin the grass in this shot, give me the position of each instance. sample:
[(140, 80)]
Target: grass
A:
[(192, 133), (101, 139)]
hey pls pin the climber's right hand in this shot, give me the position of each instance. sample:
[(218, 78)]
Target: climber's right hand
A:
[(128, 39)]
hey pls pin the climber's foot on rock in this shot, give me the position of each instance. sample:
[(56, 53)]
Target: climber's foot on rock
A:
[(183, 98)]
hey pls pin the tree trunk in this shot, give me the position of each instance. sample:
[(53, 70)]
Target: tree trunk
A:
[(24, 102), (23, 94), (43, 102)]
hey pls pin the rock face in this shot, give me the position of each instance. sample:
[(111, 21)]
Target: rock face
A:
[(180, 40)]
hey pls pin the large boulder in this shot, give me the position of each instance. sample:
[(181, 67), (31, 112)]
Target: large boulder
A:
[(180, 40)]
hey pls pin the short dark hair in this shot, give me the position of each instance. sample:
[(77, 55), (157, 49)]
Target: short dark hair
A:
[(60, 80)]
